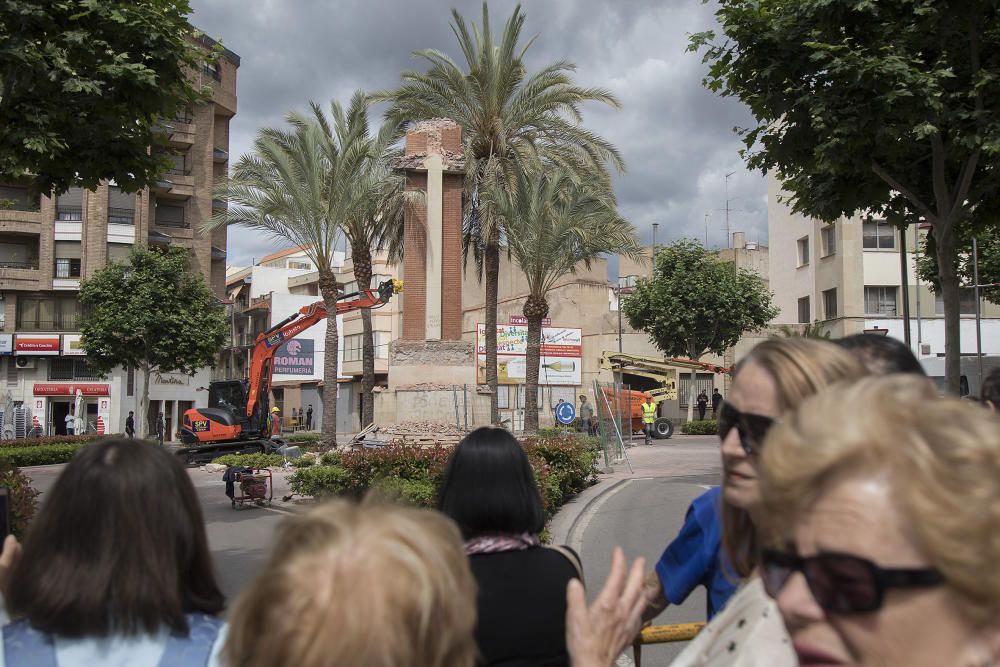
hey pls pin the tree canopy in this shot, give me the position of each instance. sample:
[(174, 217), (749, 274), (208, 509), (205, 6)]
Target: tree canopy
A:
[(83, 84), (883, 109), (696, 303), (152, 313), (988, 242)]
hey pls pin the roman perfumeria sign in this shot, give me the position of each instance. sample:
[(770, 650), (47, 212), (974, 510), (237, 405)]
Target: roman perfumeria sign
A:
[(561, 360), (294, 357)]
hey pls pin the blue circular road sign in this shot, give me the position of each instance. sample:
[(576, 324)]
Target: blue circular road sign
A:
[(565, 413)]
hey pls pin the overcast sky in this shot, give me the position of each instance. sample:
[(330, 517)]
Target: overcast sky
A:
[(675, 136)]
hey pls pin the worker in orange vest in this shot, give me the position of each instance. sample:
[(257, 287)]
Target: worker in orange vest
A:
[(275, 421)]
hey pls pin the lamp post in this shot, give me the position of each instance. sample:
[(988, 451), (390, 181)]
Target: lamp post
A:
[(655, 225)]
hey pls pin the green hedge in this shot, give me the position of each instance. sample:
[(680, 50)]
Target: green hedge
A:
[(308, 437), (39, 455), (702, 427), (251, 460), (563, 467), (49, 440)]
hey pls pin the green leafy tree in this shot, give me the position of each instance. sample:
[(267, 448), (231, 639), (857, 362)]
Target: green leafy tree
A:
[(555, 224), (885, 109), (511, 122), (308, 186), (83, 84), (988, 251), (697, 304), (153, 314)]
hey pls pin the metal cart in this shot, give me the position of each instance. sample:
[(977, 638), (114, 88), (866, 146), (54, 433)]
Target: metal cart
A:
[(253, 488)]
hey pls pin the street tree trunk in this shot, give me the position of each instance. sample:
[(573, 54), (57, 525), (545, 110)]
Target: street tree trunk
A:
[(144, 426), (491, 261), (944, 240), (362, 258), (535, 310), (694, 377), (328, 290)]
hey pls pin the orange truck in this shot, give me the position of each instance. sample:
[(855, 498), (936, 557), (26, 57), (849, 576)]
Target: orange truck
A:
[(627, 401)]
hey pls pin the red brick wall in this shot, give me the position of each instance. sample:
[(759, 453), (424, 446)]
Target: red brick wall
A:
[(414, 261), (451, 138), (451, 257), (416, 142)]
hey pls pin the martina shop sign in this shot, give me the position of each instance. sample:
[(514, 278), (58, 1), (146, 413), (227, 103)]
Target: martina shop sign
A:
[(294, 357)]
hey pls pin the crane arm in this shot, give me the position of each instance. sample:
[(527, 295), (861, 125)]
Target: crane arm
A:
[(268, 342), (630, 363)]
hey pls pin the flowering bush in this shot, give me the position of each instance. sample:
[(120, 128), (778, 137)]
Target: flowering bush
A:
[(21, 497)]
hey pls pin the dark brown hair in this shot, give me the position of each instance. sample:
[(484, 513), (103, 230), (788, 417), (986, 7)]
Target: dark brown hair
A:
[(800, 367), (119, 547)]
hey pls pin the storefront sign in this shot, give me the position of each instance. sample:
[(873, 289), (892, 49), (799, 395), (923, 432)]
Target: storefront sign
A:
[(178, 379), (71, 346), (6, 345), (294, 357), (521, 319), (561, 360), (70, 389), (37, 344)]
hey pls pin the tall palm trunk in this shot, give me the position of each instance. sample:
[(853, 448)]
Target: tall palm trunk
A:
[(491, 263), (535, 310), (328, 290), (362, 258)]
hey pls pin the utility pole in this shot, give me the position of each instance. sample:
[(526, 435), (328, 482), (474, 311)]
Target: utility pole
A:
[(979, 331), (729, 240), (655, 225), (707, 216)]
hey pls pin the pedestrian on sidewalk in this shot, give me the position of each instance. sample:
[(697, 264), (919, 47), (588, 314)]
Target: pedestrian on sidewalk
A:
[(648, 408), (70, 422), (716, 402), (702, 405), (161, 427), (130, 424), (309, 417), (718, 543), (586, 413)]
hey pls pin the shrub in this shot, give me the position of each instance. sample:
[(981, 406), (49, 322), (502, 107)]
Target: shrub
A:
[(330, 459), (419, 493), (21, 498), (320, 481), (702, 427), (39, 455), (303, 461), (50, 440), (251, 460), (572, 460), (308, 437)]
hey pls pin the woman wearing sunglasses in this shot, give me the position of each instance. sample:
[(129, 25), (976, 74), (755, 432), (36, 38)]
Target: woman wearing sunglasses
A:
[(773, 379), (888, 535)]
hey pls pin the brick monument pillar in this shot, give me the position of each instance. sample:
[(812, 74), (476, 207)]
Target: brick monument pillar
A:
[(430, 361)]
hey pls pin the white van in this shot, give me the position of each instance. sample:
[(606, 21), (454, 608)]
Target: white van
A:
[(968, 382)]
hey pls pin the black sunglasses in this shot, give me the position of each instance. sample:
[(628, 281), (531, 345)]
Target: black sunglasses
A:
[(842, 583), (751, 428)]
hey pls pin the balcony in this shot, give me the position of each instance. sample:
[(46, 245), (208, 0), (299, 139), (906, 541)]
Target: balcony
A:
[(121, 216), (220, 205), (69, 213), (171, 222), (220, 156)]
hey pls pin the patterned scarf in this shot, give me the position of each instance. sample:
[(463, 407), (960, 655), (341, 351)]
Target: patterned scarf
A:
[(500, 542)]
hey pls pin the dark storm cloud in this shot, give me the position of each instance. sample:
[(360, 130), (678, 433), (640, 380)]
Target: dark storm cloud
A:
[(675, 136)]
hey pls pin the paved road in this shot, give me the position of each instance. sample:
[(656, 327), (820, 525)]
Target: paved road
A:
[(239, 539), (642, 513)]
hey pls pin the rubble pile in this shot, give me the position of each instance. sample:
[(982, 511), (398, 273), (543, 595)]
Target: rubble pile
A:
[(430, 386), (424, 433)]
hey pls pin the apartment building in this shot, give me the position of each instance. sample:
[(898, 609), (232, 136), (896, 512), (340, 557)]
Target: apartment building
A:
[(848, 276), (49, 244)]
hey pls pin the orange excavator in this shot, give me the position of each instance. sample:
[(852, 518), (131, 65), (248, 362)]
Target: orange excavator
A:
[(236, 420)]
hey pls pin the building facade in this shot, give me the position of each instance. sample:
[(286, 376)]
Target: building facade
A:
[(49, 244), (849, 277)]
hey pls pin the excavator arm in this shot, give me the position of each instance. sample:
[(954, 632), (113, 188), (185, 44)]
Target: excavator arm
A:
[(268, 342)]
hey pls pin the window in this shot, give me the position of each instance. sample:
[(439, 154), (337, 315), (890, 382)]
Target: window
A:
[(69, 206), (880, 301), (830, 303), (212, 69), (803, 245), (299, 265), (828, 236), (804, 316), (66, 368), (130, 382), (966, 302), (119, 252), (702, 382), (382, 341), (179, 164), (48, 313), (16, 198), (877, 235), (521, 395), (169, 215), (503, 397), (352, 347), (18, 251), (67, 259)]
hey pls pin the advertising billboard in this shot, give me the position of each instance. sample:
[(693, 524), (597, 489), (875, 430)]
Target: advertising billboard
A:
[(295, 357), (71, 346), (561, 360), (37, 344)]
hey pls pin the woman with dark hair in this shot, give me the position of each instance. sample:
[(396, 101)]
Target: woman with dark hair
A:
[(115, 569), (490, 491)]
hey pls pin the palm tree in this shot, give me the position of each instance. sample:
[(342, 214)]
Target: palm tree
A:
[(307, 186), (511, 121), (375, 220), (556, 223)]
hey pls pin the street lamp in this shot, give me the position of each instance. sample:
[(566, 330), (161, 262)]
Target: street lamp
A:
[(655, 225), (626, 289)]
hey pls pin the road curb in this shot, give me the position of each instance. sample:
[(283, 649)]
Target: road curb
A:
[(566, 519)]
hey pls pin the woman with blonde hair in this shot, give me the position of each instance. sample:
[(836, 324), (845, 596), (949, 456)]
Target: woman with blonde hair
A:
[(718, 544), (886, 527)]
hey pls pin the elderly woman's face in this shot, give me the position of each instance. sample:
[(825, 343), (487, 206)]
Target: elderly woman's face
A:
[(913, 627), (755, 393)]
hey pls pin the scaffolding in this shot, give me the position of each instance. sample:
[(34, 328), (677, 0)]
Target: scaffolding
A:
[(614, 421)]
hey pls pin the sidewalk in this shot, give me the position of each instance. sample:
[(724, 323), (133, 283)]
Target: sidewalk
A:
[(679, 456)]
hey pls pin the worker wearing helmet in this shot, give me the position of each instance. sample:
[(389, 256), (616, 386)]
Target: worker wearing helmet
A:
[(275, 421), (648, 408)]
